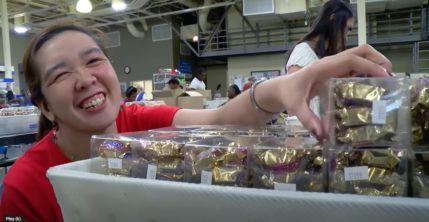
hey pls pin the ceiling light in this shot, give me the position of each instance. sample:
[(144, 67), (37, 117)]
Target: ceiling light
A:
[(19, 23), (118, 5), (84, 6), (21, 29), (195, 38)]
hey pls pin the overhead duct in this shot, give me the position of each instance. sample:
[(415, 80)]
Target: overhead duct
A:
[(202, 16), (134, 31)]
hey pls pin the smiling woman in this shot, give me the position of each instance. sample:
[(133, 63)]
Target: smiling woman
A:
[(74, 84)]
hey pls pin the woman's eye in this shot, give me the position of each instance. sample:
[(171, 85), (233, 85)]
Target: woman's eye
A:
[(60, 76), (94, 61)]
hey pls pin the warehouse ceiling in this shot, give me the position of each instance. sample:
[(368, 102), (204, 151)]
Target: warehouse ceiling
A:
[(42, 13)]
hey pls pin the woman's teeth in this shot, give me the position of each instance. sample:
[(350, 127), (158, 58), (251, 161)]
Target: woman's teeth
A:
[(94, 102)]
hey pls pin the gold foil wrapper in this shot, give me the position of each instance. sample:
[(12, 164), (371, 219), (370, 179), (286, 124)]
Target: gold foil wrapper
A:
[(354, 91), (304, 181), (366, 135), (276, 157), (385, 176), (228, 164), (119, 150), (420, 116), (359, 116), (389, 161), (153, 150), (169, 163), (303, 167), (354, 116), (226, 175)]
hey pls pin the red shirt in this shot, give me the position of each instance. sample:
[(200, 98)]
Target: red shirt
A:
[(247, 85), (27, 191)]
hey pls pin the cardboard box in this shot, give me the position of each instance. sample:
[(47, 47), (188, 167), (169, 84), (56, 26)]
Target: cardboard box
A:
[(84, 194), (168, 96), (206, 93), (191, 100)]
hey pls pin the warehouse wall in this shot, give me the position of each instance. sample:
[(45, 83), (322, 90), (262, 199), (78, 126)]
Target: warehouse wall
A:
[(401, 57), (143, 56), (217, 74), (243, 65)]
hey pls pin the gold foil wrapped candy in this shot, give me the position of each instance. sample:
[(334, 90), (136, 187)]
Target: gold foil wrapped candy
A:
[(117, 154), (227, 164), (386, 172), (359, 116), (350, 93), (302, 167), (226, 175), (367, 135), (389, 161), (166, 155), (153, 150), (420, 116)]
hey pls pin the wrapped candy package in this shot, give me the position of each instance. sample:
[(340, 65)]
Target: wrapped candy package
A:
[(142, 154), (376, 172), (294, 164), (420, 172), (219, 160), (420, 114), (368, 112)]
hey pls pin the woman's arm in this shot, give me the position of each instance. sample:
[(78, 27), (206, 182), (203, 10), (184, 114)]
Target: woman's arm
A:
[(291, 92)]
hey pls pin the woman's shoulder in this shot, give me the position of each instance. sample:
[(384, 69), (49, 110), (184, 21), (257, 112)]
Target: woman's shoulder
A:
[(303, 46)]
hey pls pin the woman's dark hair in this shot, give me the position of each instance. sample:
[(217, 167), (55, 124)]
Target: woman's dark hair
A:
[(329, 26), (173, 81), (237, 90), (130, 91), (31, 72), (201, 70)]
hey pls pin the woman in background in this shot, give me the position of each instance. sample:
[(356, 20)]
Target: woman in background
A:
[(233, 91), (327, 36)]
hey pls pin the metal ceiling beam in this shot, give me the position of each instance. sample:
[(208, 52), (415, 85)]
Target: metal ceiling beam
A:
[(168, 13), (216, 29), (180, 36)]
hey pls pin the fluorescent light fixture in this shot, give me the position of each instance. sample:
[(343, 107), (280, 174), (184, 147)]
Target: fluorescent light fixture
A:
[(118, 5), (195, 38), (20, 22), (84, 6), (21, 29)]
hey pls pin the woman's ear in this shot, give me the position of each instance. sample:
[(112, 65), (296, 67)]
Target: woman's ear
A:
[(332, 17), (46, 111)]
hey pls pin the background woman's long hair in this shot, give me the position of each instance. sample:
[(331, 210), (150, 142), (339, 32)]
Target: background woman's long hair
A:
[(330, 26)]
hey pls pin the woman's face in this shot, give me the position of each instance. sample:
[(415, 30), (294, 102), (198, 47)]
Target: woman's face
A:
[(78, 82), (133, 97)]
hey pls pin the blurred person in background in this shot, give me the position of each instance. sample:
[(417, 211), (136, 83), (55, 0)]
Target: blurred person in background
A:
[(249, 83), (130, 94), (233, 91), (198, 81), (174, 84)]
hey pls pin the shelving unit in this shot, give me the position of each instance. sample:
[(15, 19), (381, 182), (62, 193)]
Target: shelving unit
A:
[(161, 78)]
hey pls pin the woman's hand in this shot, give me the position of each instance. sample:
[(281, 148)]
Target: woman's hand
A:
[(310, 81)]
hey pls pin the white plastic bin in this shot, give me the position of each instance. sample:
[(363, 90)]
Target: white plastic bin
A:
[(88, 196)]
